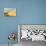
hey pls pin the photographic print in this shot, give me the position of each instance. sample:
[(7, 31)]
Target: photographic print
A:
[(9, 11), (29, 34), (33, 32)]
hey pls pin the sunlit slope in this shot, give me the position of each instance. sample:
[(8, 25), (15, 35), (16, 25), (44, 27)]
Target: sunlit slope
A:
[(10, 13)]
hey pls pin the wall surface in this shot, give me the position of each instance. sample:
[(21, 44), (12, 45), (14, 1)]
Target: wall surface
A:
[(28, 12)]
